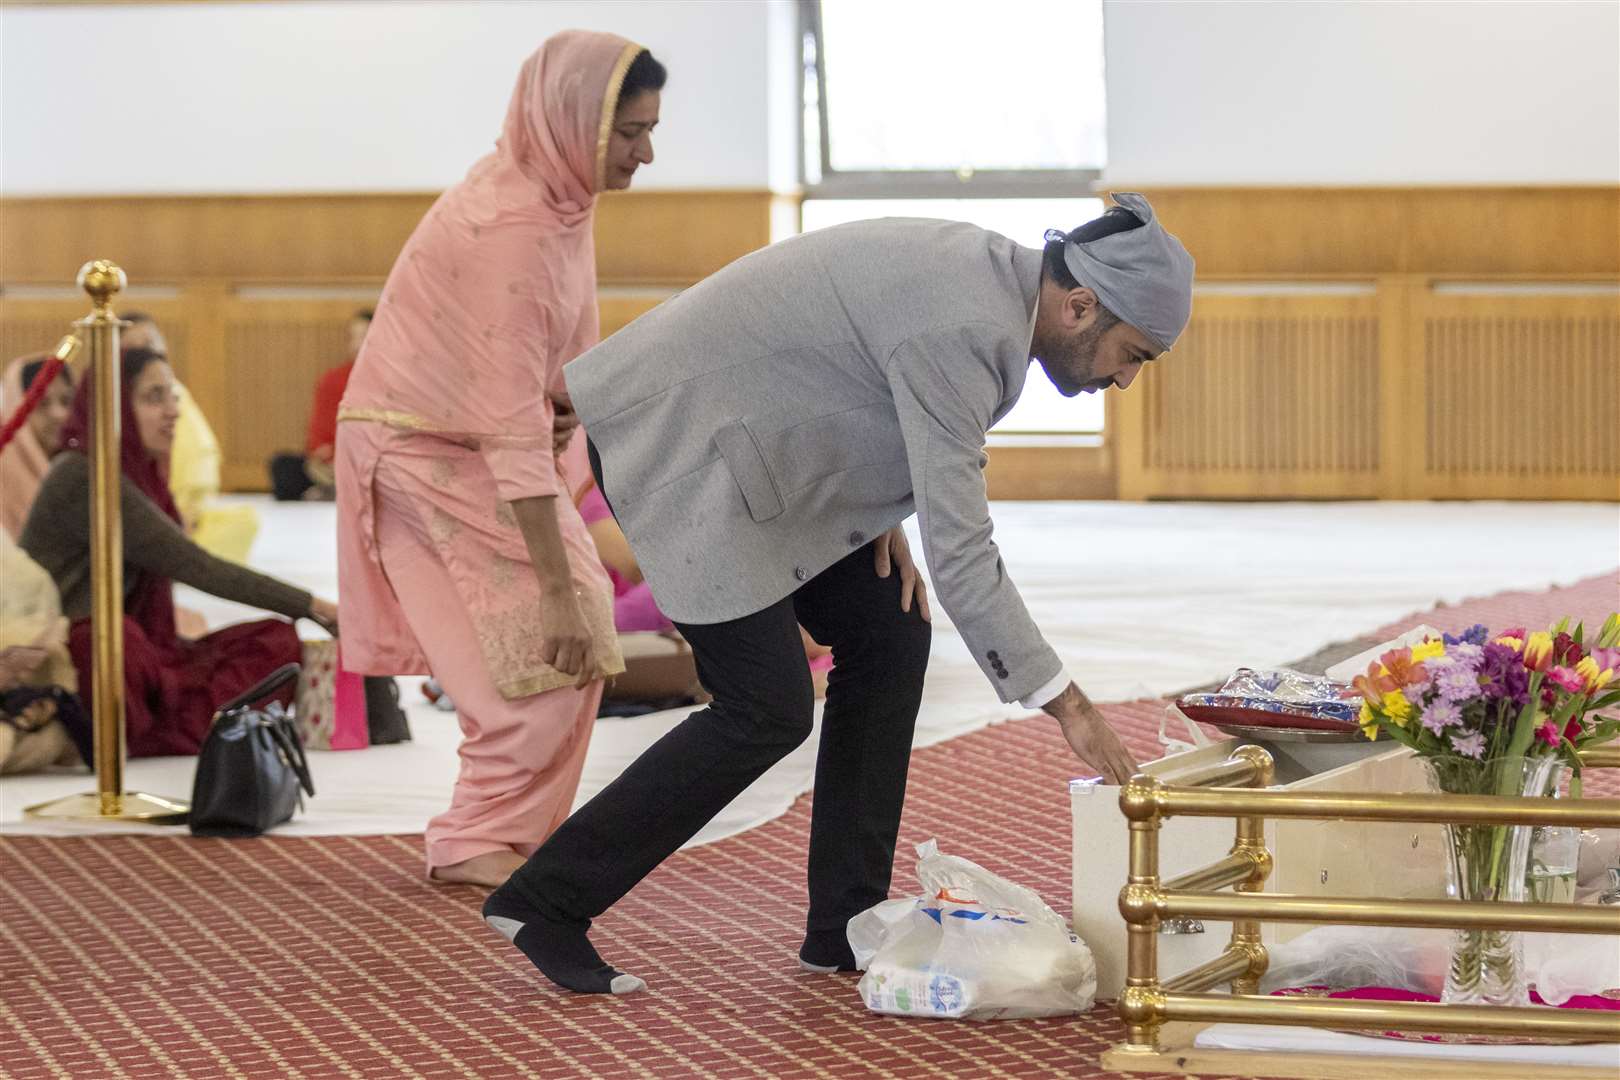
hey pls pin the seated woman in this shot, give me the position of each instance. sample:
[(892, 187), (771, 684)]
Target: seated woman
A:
[(23, 462), (659, 670), (42, 721), (172, 685), (650, 674)]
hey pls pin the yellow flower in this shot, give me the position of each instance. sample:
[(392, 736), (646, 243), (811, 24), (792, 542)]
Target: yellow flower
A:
[(1596, 680), (1429, 650), (1397, 708), (1538, 650), (1368, 721), (1516, 644)]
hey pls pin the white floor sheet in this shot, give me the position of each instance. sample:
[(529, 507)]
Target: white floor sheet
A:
[(1139, 599)]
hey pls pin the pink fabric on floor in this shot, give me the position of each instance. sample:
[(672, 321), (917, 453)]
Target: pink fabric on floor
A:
[(521, 758), (1386, 993)]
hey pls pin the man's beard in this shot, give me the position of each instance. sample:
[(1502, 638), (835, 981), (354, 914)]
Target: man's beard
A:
[(1076, 364)]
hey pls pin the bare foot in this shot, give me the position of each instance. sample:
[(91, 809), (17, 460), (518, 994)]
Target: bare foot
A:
[(489, 870)]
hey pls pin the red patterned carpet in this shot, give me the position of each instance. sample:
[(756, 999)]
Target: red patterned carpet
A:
[(175, 957)]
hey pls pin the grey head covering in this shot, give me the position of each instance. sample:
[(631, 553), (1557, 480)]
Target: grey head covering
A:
[(1143, 275)]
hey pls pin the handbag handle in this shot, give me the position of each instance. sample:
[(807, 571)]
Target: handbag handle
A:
[(286, 737), (278, 678)]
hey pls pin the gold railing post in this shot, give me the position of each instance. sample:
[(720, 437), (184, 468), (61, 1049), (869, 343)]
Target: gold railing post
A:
[(102, 280), (1251, 841), (1141, 1005)]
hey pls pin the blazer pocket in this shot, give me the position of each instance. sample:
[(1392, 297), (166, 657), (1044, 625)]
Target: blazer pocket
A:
[(746, 461)]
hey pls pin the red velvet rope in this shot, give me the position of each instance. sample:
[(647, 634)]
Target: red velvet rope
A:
[(31, 400)]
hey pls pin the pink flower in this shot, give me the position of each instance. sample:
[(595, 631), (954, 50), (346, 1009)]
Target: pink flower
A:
[(1566, 680), (1548, 733)]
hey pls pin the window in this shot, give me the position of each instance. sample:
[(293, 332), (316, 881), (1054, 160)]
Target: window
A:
[(953, 95), (959, 109)]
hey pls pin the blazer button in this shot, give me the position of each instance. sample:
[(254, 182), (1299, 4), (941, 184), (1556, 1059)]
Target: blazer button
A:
[(801, 573), (1001, 673), (856, 539), (992, 656)]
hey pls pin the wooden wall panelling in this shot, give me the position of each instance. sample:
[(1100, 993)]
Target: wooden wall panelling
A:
[(660, 237), (1050, 472), (1400, 387), (1268, 396), (1293, 232), (272, 353), (1517, 396)]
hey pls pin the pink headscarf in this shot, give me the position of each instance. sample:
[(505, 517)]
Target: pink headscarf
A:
[(496, 289), (554, 142)]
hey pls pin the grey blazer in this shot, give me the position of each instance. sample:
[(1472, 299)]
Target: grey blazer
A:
[(759, 426)]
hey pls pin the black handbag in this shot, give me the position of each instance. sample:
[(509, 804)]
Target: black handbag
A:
[(251, 770), (385, 720)]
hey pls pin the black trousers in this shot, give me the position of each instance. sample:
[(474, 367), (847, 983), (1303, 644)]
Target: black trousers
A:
[(762, 709)]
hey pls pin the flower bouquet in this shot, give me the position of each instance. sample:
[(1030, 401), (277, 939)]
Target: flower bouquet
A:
[(1502, 715)]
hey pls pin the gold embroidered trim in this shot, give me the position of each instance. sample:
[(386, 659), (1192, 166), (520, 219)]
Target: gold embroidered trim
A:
[(610, 107), (529, 685), (387, 416)]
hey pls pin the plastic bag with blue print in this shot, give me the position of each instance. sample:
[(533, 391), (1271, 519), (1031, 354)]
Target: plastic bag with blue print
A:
[(973, 946)]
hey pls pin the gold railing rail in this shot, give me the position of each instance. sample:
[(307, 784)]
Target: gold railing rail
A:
[(1147, 1003), (103, 280)]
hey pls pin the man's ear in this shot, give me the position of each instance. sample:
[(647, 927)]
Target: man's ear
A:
[(1079, 306)]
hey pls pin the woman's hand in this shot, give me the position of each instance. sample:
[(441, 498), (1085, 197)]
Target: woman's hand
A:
[(565, 638), (18, 663), (891, 549), (324, 613), (563, 422)]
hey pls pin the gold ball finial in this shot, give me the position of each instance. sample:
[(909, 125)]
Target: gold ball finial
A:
[(102, 279)]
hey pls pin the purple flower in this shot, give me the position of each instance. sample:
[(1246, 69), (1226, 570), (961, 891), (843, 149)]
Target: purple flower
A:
[(1474, 635), (1470, 745), (1503, 675), (1465, 653), (1442, 714), (1457, 682)]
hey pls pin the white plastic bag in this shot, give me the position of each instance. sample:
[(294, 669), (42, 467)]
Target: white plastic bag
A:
[(972, 947), (1559, 966)]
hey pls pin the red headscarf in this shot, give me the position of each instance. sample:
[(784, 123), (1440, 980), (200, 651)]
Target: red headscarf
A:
[(152, 602)]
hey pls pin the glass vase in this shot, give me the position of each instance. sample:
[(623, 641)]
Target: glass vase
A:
[(1492, 863)]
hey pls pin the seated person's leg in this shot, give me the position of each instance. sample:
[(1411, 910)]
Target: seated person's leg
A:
[(288, 481)]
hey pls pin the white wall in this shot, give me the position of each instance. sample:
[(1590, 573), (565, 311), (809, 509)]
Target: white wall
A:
[(344, 95), (366, 95), (1456, 91)]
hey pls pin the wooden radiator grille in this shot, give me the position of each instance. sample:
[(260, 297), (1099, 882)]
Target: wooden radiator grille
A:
[(1520, 393), (1269, 394), (1273, 395), (276, 354)]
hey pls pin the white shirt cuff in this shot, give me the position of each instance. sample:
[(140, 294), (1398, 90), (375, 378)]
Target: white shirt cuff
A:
[(1048, 692)]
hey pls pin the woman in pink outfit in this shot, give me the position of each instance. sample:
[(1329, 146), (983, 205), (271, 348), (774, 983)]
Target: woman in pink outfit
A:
[(460, 550)]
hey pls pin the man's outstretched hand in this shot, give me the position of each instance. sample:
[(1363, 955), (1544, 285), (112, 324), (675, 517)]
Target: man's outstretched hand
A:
[(1090, 737)]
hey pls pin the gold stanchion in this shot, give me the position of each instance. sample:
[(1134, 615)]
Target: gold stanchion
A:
[(110, 802)]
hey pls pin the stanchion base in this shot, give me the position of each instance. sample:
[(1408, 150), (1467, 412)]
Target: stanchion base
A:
[(131, 806)]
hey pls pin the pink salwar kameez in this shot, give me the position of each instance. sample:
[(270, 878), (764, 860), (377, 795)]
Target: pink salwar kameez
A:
[(447, 420)]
